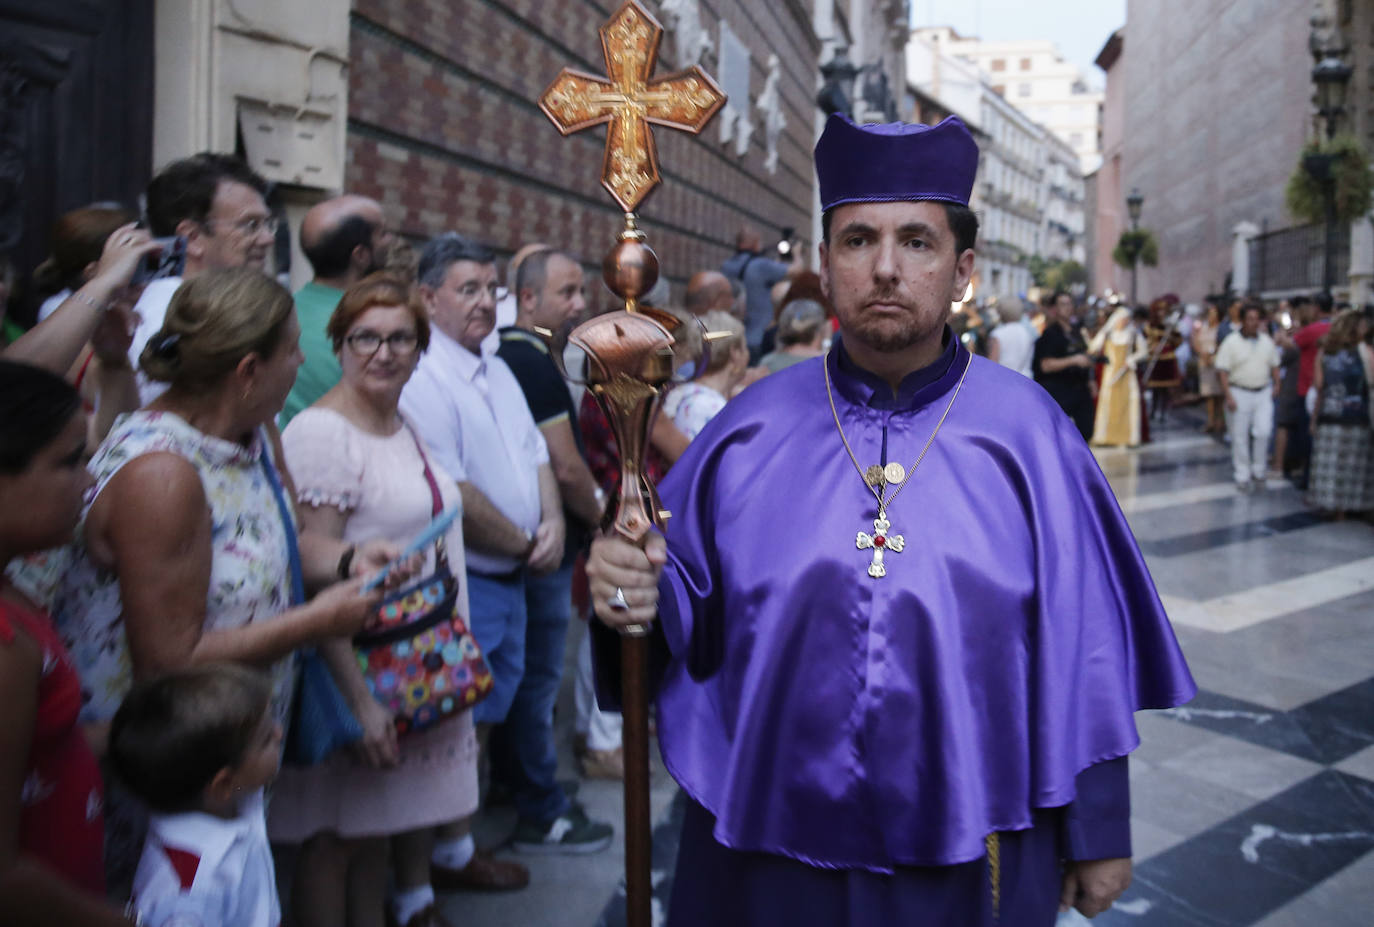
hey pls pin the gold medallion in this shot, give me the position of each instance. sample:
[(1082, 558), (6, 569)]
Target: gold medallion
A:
[(894, 472), (874, 476)]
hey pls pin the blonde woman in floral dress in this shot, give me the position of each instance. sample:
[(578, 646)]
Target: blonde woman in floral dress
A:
[(181, 553)]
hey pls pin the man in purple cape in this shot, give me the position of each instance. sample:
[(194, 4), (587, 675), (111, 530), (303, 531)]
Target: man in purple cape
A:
[(906, 624)]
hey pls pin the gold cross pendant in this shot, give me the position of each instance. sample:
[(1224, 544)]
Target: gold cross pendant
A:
[(629, 100), (880, 542)]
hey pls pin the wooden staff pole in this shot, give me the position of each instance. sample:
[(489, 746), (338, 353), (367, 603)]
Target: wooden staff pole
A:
[(629, 352)]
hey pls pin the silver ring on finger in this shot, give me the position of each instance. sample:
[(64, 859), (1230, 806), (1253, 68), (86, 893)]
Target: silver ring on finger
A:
[(617, 602)]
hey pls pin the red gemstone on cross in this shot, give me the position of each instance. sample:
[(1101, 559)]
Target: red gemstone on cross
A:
[(880, 541)]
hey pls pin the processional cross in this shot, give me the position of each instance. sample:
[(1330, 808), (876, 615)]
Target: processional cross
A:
[(629, 353), (629, 101), (880, 541)]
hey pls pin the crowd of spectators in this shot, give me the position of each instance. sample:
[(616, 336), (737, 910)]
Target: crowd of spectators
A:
[(202, 476), (1287, 386)]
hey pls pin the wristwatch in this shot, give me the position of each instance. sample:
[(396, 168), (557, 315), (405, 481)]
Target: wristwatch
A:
[(346, 562)]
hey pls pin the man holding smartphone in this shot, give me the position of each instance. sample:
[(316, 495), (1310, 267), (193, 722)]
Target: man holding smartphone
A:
[(218, 205)]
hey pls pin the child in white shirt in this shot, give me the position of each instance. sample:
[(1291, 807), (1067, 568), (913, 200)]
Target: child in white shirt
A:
[(198, 747)]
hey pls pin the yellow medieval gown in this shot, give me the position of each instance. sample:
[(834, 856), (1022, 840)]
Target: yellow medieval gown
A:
[(1117, 423)]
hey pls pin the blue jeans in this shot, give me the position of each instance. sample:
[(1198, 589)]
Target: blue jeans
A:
[(498, 622), (526, 744)]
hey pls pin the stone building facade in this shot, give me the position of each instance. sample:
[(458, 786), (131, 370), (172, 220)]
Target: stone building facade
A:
[(1029, 193), (1036, 79), (1212, 100), (1063, 236)]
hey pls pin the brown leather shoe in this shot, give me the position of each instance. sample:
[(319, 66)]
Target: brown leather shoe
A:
[(604, 764), (482, 874)]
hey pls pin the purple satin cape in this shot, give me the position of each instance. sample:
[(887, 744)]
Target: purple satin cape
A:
[(860, 723)]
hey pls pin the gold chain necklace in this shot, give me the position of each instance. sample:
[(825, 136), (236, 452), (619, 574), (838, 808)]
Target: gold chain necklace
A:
[(878, 478)]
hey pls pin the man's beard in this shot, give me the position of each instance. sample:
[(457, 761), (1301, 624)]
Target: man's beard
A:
[(890, 334)]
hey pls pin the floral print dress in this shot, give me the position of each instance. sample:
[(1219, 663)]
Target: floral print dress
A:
[(249, 574)]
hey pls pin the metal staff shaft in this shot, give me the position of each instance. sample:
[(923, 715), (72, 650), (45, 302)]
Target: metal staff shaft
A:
[(630, 360)]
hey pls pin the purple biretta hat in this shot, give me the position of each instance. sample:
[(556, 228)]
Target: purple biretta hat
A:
[(895, 161)]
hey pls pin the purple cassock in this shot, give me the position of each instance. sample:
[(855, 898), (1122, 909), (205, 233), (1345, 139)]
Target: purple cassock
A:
[(848, 742)]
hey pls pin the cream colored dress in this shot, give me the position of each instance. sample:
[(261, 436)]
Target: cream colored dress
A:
[(1117, 421)]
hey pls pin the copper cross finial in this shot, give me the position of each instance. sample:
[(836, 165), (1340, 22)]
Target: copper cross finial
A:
[(629, 101)]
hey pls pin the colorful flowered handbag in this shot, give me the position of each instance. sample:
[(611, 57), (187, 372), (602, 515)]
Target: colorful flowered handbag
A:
[(420, 660)]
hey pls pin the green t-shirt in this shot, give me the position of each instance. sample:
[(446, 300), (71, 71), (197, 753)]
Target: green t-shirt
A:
[(10, 331), (314, 305)]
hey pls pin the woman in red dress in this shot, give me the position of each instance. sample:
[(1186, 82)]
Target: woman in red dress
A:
[(51, 829)]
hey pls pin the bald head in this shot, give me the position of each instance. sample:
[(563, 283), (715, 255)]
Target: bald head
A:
[(345, 239), (518, 258), (746, 239), (708, 290)]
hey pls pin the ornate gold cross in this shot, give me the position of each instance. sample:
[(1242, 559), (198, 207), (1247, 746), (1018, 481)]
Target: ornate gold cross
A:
[(629, 101), (880, 541)]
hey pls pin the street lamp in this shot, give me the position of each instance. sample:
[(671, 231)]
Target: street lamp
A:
[(1135, 202), (839, 73), (1331, 75)]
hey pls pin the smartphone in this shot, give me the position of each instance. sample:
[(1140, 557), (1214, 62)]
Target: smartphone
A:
[(168, 261)]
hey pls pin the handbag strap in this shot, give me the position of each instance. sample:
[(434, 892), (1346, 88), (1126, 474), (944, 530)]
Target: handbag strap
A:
[(293, 551), (436, 498)]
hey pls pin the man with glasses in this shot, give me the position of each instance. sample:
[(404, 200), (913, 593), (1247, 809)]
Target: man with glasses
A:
[(345, 239), (467, 405), (218, 204)]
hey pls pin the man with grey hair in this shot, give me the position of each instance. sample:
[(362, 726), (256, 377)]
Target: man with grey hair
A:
[(803, 329), (468, 408)]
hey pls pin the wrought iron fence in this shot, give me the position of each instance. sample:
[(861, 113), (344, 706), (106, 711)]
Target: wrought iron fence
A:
[(1292, 258)]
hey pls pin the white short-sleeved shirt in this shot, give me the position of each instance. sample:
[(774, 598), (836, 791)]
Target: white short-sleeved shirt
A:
[(152, 311), (1248, 361), (1016, 344), (198, 870), (691, 406), (471, 411)]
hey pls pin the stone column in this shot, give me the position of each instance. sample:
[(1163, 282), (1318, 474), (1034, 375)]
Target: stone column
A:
[(1361, 260), (1242, 235)]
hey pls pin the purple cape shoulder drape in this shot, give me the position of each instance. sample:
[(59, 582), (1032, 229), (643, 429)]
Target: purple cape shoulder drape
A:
[(859, 723)]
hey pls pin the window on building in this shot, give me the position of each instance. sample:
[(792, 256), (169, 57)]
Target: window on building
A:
[(999, 64), (1023, 90), (999, 89), (1025, 64)]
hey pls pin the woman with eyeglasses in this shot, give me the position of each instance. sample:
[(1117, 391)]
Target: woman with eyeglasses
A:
[(361, 473)]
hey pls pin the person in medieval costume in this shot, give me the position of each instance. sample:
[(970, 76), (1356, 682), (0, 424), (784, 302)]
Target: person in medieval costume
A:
[(902, 625), (1117, 421), (1162, 373)]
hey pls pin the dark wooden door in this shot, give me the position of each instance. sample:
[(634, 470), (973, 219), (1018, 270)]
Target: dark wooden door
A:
[(76, 114)]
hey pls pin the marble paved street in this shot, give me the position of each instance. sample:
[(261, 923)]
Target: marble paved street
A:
[(1254, 805)]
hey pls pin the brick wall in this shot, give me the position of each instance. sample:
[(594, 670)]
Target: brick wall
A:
[(444, 130)]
